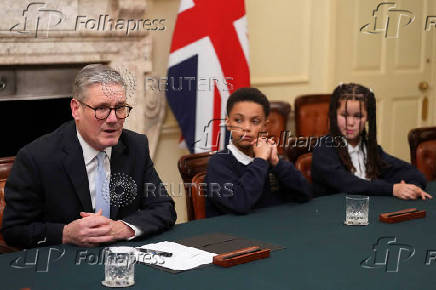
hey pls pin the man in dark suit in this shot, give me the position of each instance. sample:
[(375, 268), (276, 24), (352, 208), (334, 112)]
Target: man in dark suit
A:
[(58, 190)]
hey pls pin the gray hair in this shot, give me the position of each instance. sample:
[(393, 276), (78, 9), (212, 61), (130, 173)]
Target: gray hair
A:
[(95, 74)]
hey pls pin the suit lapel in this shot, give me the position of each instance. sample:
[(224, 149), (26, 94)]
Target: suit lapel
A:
[(119, 163), (75, 167)]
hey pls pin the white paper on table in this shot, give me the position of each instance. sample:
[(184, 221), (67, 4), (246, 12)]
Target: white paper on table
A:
[(183, 257)]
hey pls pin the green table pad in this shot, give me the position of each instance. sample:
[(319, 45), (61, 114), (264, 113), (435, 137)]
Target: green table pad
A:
[(321, 252)]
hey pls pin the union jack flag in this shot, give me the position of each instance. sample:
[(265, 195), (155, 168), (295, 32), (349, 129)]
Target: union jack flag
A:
[(208, 61)]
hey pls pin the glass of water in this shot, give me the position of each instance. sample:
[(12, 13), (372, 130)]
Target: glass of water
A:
[(119, 266), (356, 212)]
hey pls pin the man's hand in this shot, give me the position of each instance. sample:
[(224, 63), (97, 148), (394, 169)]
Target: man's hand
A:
[(261, 148), (119, 231), (403, 190), (88, 231)]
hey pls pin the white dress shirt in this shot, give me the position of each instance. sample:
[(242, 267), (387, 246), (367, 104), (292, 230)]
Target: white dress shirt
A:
[(358, 159), (90, 157)]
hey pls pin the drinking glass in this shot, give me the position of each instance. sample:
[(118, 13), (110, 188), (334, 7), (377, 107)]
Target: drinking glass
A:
[(357, 207), (119, 266)]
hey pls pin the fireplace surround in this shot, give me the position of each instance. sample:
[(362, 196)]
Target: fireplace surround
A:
[(39, 68)]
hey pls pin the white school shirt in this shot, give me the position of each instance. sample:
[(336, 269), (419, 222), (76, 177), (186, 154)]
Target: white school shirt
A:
[(358, 159), (239, 155)]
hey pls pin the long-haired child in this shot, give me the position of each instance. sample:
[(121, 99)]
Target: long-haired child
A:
[(359, 165)]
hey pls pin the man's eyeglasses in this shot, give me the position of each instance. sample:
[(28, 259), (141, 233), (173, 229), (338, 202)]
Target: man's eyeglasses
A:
[(102, 112)]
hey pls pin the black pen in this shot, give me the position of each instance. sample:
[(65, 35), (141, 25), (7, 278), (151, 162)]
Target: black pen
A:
[(155, 252)]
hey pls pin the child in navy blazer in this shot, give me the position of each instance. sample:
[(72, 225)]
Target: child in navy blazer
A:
[(358, 165), (249, 174)]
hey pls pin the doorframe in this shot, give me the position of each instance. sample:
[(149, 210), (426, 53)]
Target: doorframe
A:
[(432, 83)]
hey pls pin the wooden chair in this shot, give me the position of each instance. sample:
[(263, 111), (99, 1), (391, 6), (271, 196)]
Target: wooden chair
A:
[(198, 196), (311, 121), (304, 164), (189, 166), (298, 146), (277, 120), (422, 143), (311, 115), (5, 168)]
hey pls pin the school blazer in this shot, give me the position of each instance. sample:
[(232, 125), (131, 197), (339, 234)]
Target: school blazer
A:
[(330, 176)]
